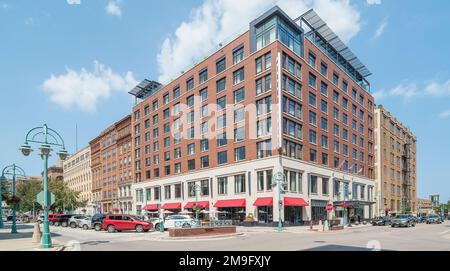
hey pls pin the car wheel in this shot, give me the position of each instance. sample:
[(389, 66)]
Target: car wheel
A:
[(85, 227), (52, 223), (98, 227), (139, 228), (64, 224), (186, 226), (111, 229), (73, 225), (157, 228), (57, 224)]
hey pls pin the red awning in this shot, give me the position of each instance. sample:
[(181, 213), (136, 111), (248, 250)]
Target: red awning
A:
[(200, 204), (230, 203), (151, 207), (344, 204), (295, 202), (263, 202), (171, 206)]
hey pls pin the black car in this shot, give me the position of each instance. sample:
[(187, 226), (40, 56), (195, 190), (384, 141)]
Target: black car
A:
[(97, 221), (433, 219), (381, 221), (62, 220)]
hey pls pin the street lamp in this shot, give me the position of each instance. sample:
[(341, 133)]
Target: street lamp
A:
[(13, 171), (196, 188), (280, 181), (47, 138)]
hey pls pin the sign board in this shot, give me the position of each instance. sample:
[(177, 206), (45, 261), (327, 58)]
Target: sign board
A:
[(40, 198), (329, 207)]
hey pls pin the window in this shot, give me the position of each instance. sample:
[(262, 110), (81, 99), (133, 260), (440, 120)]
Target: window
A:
[(239, 183), (312, 80), (190, 84), (291, 65), (238, 76), (344, 86), (147, 110), (325, 189), (335, 78), (336, 113), (204, 111), (312, 118), (166, 113), (156, 193), (260, 180), (167, 192), (178, 191), (312, 59), (312, 136), (239, 95), (312, 99), (204, 94), (324, 88), (166, 98), (239, 115), (268, 82), (177, 153), (176, 92), (204, 145), (222, 158), (204, 185), (314, 188), (221, 65), (221, 84), (323, 69), (221, 139), (190, 101), (258, 64), (325, 159), (268, 61), (239, 134), (324, 142), (221, 103), (222, 183), (191, 149), (259, 86), (239, 154), (204, 128), (190, 117), (238, 55), (204, 161), (335, 96), (324, 106), (191, 164), (324, 124), (221, 121)]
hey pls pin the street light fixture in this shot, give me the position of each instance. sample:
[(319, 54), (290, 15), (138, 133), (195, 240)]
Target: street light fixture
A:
[(196, 188), (280, 181), (47, 138), (14, 171)]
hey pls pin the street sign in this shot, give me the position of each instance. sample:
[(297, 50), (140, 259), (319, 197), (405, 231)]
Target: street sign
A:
[(40, 198), (329, 207)]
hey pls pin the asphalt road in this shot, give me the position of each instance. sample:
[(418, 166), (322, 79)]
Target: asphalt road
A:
[(422, 237)]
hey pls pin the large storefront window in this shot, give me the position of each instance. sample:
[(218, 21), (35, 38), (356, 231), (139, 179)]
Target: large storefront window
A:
[(293, 214), (318, 210), (265, 214)]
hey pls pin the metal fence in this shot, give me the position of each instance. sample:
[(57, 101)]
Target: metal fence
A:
[(198, 224)]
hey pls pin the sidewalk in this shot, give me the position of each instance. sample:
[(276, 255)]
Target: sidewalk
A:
[(297, 229), (23, 240)]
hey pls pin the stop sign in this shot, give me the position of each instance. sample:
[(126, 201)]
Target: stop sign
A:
[(329, 207)]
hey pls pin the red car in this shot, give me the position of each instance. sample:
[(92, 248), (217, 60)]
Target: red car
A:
[(52, 218), (113, 223)]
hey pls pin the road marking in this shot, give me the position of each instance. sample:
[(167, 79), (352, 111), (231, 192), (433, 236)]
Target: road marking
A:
[(444, 232)]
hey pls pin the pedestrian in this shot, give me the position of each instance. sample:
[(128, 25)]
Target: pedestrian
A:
[(359, 219)]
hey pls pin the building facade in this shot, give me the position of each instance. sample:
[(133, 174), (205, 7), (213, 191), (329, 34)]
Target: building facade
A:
[(424, 206), (109, 151), (396, 174), (77, 176), (277, 102)]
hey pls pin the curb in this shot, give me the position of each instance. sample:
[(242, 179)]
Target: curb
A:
[(203, 237)]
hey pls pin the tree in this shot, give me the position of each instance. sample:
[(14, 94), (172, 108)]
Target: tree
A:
[(5, 189), (65, 199), (27, 192)]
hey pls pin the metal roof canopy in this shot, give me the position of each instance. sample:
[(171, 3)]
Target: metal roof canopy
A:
[(145, 88), (318, 26)]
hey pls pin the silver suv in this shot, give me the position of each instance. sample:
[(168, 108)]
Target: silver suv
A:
[(75, 220)]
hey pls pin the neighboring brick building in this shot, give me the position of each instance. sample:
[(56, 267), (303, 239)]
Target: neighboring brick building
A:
[(424, 206), (109, 150), (396, 174), (219, 127)]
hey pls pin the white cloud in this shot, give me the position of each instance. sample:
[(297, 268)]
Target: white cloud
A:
[(84, 89), (74, 2), (29, 21), (4, 6), (437, 89), (113, 8), (445, 114), (404, 90), (218, 21), (374, 2), (381, 28)]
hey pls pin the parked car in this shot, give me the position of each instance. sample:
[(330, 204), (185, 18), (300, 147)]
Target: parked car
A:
[(433, 219), (52, 218), (381, 221), (86, 223), (74, 221), (113, 223), (403, 220), (97, 221), (184, 221), (4, 218), (63, 220), (414, 218), (40, 219)]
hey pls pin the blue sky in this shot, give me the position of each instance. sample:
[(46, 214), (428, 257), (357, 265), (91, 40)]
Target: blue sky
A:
[(67, 64)]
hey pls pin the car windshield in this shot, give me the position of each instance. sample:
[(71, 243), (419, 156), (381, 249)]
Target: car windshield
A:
[(402, 216)]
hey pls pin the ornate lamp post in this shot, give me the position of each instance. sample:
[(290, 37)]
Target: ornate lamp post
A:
[(47, 138), (13, 171), (196, 188), (280, 181)]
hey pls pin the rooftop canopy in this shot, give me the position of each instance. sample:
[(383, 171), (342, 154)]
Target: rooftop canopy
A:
[(145, 89)]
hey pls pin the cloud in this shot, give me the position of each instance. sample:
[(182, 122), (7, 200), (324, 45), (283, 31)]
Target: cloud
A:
[(374, 2), (29, 21), (4, 6), (219, 21), (445, 114), (404, 90), (85, 88), (438, 89), (113, 8), (74, 2), (381, 28)]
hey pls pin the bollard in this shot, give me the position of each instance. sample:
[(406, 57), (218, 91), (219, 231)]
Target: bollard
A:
[(37, 234), (311, 225), (326, 226), (320, 225)]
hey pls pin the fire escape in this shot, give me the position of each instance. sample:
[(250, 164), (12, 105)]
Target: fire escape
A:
[(406, 174)]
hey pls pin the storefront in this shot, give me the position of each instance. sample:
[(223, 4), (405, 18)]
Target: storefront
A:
[(293, 210), (201, 206), (231, 209), (356, 210), (171, 208), (264, 209), (318, 210)]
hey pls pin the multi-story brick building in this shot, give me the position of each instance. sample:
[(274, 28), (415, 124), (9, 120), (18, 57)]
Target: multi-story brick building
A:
[(110, 175), (286, 96), (395, 164), (77, 176)]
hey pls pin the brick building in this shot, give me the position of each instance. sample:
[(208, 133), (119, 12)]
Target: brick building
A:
[(287, 96)]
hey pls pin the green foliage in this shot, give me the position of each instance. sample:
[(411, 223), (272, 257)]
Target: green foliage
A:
[(65, 199), (5, 190), (28, 191)]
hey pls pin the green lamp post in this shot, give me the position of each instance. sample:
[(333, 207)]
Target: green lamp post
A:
[(14, 171), (196, 188), (280, 182), (47, 138)]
